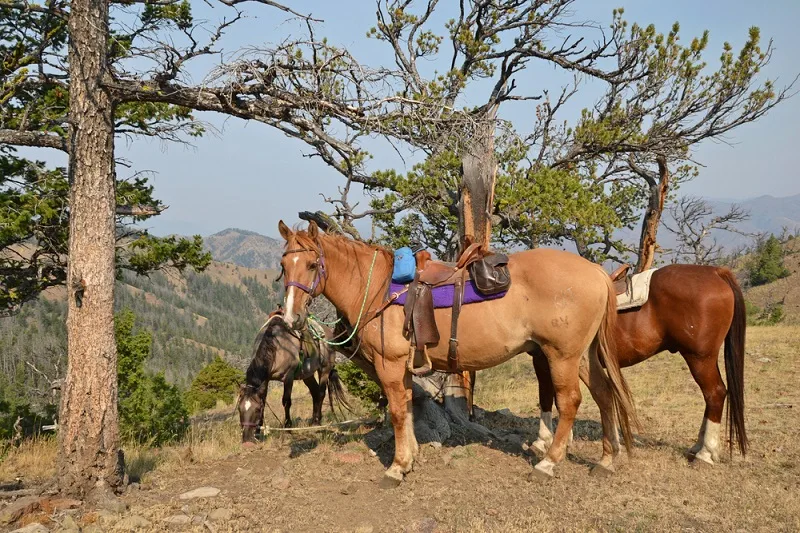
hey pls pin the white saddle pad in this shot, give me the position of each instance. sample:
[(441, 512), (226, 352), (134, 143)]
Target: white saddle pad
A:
[(637, 291)]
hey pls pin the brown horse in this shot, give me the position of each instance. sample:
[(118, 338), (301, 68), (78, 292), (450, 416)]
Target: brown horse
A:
[(280, 354), (692, 309), (558, 300)]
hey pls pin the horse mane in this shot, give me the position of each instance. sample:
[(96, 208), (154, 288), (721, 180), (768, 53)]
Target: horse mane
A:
[(264, 349), (305, 241)]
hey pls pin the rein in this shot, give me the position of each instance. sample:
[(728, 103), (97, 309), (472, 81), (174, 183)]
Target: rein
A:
[(360, 313)]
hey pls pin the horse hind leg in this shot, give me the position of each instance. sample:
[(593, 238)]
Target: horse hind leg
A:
[(564, 372), (546, 397), (396, 382), (705, 372)]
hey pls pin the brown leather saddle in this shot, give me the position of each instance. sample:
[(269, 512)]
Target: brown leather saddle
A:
[(621, 279), (488, 272)]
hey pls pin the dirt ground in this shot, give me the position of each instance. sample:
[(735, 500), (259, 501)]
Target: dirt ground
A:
[(329, 481)]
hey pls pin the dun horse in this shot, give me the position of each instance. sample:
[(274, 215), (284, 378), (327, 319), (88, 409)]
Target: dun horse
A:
[(557, 300), (279, 354), (691, 309)]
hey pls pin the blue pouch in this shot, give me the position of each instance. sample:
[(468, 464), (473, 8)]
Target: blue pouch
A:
[(405, 265)]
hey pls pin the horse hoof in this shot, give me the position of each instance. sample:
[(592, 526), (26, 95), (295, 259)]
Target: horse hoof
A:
[(539, 446), (389, 482), (701, 460), (539, 475), (543, 470), (599, 470)]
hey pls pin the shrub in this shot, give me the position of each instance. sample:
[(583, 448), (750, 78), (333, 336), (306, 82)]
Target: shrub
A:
[(767, 263), (150, 409), (359, 384), (216, 381), (769, 316)]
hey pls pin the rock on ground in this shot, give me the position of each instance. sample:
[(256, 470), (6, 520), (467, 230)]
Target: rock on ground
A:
[(202, 492), (178, 520), (32, 528), (12, 512)]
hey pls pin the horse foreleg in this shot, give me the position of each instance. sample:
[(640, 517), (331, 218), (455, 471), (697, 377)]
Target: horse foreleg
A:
[(564, 373), (396, 382), (705, 371), (546, 397), (287, 402), (317, 391)]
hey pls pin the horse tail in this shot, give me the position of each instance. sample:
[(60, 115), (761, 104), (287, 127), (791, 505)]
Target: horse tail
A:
[(336, 392), (734, 363), (621, 393)]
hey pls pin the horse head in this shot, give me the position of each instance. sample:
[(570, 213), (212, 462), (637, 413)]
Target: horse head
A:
[(251, 409), (303, 268)]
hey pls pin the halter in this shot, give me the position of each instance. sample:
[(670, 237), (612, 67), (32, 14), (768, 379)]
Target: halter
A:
[(321, 272)]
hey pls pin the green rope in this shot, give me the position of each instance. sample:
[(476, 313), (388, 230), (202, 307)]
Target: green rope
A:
[(316, 319), (360, 313)]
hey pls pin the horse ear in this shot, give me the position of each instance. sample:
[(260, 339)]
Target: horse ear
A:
[(312, 229), (262, 389), (285, 230)]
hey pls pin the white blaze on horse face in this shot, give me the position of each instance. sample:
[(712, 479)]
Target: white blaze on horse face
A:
[(288, 313), (247, 405)]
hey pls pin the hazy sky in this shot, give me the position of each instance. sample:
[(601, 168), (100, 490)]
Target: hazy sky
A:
[(251, 176)]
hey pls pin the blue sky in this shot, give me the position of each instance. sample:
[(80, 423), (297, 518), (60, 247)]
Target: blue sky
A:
[(251, 176)]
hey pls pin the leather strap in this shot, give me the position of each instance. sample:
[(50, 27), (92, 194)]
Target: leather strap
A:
[(458, 299)]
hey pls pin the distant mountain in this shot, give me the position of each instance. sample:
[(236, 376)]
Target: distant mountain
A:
[(245, 248), (768, 214)]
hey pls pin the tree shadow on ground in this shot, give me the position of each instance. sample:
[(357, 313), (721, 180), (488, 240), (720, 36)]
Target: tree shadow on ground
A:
[(510, 434)]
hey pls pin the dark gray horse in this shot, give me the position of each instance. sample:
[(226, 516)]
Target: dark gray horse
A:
[(280, 354)]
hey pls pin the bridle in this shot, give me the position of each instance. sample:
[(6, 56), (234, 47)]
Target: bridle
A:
[(320, 276)]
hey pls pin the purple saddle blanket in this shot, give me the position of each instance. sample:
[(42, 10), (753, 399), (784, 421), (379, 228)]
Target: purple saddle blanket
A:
[(443, 296)]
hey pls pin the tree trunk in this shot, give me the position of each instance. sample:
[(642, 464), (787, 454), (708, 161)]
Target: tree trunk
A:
[(479, 171), (652, 215), (90, 463)]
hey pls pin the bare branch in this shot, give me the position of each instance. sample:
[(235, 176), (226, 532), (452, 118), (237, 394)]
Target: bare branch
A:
[(38, 139)]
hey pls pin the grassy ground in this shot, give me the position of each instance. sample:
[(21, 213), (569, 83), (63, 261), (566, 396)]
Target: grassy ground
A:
[(327, 481)]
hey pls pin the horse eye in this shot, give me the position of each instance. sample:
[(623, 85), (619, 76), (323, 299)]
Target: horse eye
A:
[(312, 266)]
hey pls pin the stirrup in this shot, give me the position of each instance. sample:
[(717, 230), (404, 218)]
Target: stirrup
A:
[(425, 369)]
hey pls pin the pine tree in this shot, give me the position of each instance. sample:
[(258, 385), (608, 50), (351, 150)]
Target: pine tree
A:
[(767, 265)]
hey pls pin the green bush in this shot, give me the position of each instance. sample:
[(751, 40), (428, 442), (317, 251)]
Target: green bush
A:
[(150, 409), (359, 384), (216, 381), (767, 263), (770, 316)]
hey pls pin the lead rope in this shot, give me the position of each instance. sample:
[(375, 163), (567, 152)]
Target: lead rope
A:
[(360, 313)]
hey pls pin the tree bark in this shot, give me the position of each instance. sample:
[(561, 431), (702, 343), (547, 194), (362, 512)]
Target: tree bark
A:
[(659, 187), (90, 463), (479, 172)]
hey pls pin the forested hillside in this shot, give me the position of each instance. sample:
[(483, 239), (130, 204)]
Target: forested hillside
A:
[(192, 319)]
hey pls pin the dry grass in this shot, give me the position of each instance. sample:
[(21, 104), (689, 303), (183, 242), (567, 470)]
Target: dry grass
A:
[(33, 461), (332, 476)]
